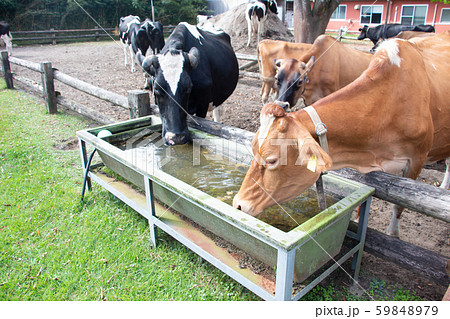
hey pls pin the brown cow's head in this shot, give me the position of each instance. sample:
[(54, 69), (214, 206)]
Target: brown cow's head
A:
[(291, 79), (287, 160)]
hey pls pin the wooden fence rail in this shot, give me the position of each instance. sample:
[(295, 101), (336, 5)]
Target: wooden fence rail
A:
[(53, 36), (137, 102)]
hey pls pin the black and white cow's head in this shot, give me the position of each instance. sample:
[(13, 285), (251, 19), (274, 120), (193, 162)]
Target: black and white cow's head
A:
[(172, 85), (272, 4), (363, 33), (154, 33)]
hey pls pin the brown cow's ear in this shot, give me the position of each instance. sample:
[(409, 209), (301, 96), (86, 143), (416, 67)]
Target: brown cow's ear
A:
[(313, 156), (282, 125), (277, 63), (308, 66)]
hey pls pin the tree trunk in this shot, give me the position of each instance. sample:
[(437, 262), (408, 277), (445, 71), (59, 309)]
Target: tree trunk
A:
[(309, 22)]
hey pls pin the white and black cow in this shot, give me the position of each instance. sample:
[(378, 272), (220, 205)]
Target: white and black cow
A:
[(155, 34), (256, 15), (5, 35), (196, 71), (124, 28), (385, 31)]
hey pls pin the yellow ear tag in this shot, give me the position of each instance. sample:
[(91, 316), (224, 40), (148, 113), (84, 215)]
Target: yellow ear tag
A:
[(312, 163)]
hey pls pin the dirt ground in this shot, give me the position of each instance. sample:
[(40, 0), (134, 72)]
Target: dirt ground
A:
[(102, 64)]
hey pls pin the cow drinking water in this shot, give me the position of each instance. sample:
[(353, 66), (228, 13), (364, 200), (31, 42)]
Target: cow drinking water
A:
[(196, 71), (393, 118)]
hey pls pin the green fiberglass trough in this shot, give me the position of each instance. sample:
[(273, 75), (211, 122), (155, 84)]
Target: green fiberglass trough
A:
[(194, 184)]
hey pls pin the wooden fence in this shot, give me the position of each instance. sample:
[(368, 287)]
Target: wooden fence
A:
[(415, 195), (54, 36), (137, 102)]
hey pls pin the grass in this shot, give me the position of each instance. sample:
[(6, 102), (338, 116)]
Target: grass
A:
[(53, 247)]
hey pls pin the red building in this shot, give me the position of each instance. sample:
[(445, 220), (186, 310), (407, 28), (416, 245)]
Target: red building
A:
[(357, 13)]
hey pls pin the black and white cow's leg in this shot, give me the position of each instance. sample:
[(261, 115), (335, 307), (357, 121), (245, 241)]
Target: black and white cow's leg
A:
[(125, 46), (7, 39), (249, 26), (133, 59), (146, 81), (446, 182), (216, 111)]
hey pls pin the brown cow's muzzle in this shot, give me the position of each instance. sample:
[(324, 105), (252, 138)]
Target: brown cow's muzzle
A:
[(245, 206)]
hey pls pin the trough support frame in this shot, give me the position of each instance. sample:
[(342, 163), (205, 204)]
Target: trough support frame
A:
[(149, 195), (84, 162), (361, 236), (285, 274), (285, 257)]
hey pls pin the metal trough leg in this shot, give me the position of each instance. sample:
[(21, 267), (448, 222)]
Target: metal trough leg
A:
[(285, 274), (85, 162), (361, 236), (149, 195)]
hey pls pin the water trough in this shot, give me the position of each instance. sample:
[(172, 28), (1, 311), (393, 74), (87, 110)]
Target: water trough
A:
[(297, 251)]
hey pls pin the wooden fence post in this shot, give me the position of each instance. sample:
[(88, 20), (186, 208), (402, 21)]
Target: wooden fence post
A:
[(49, 87), (97, 38), (53, 36), (7, 70), (139, 103)]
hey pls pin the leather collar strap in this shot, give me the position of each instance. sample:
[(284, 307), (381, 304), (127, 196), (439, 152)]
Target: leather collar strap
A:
[(320, 128), (321, 131)]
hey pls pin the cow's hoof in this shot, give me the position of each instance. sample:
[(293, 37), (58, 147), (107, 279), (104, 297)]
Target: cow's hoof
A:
[(393, 232)]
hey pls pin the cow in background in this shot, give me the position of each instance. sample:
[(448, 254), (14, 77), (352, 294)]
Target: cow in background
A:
[(5, 35), (256, 14), (268, 51), (155, 35), (124, 29), (325, 68), (406, 35), (385, 31)]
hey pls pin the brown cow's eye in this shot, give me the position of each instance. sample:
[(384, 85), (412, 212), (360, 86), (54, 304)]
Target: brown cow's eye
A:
[(271, 162)]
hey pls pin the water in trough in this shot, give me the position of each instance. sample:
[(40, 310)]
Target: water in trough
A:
[(219, 177)]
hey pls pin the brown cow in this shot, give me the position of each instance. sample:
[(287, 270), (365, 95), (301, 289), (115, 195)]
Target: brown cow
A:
[(270, 51), (393, 118), (329, 65), (406, 35)]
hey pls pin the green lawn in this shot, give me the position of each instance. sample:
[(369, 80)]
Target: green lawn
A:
[(53, 247)]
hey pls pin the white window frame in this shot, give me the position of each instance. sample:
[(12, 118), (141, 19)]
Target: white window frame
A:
[(442, 12), (414, 11), (345, 18), (377, 5)]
